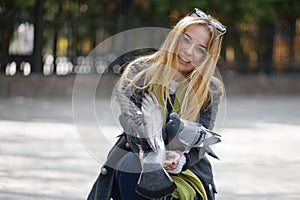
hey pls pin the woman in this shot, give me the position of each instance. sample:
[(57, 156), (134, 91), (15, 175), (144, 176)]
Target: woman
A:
[(180, 74)]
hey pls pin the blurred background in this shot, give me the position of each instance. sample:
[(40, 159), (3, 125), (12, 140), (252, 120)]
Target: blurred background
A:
[(50, 37), (43, 44)]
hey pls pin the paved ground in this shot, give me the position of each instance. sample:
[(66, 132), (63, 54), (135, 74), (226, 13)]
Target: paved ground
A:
[(42, 156)]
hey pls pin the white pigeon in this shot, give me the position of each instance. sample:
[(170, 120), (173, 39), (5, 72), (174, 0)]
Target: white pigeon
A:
[(145, 124)]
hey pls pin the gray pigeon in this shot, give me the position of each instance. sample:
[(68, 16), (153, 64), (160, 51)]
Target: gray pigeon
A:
[(146, 124), (183, 135)]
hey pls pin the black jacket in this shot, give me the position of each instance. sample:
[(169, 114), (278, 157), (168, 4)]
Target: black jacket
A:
[(105, 188)]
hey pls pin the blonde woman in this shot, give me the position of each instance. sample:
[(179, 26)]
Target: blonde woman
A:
[(180, 74)]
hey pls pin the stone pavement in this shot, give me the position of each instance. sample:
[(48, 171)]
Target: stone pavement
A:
[(43, 157)]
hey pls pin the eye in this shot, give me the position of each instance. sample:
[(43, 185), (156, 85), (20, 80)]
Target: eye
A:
[(200, 50), (186, 39)]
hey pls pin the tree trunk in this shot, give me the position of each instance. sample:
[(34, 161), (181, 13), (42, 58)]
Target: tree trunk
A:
[(37, 63), (265, 47), (5, 37)]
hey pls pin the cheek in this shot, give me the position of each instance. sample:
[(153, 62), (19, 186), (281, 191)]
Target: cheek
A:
[(198, 58), (180, 47)]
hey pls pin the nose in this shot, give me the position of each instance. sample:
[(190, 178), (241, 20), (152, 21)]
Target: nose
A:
[(189, 50)]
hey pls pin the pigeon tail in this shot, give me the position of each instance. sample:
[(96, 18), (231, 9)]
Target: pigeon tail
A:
[(210, 152), (155, 184)]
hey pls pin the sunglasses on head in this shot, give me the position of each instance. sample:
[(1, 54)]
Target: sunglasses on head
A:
[(214, 22)]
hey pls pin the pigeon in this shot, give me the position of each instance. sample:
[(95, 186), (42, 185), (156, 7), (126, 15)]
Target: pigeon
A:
[(182, 135), (133, 122), (145, 125)]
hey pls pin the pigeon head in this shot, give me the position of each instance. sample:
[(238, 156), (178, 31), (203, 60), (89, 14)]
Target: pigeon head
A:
[(174, 126)]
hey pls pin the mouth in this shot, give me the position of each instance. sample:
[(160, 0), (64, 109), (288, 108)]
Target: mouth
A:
[(183, 60)]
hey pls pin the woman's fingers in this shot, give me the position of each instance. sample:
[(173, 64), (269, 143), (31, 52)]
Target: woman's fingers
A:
[(172, 159)]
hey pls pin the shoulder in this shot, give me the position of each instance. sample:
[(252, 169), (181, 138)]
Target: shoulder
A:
[(216, 89), (139, 65), (136, 67)]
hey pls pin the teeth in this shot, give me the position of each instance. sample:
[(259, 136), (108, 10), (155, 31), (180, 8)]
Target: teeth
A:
[(187, 61)]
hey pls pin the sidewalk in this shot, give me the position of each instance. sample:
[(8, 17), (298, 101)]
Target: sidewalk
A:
[(43, 157), (37, 85)]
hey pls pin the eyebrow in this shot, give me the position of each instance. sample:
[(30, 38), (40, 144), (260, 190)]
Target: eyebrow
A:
[(201, 45)]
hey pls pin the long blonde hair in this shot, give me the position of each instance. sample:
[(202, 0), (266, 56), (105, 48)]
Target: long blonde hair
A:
[(161, 69)]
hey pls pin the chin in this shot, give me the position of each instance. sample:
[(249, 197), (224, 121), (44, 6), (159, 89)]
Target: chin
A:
[(185, 70), (185, 73)]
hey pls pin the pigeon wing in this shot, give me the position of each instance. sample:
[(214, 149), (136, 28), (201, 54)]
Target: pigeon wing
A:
[(131, 118), (153, 119)]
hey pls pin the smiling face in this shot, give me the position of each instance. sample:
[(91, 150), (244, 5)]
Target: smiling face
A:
[(192, 48)]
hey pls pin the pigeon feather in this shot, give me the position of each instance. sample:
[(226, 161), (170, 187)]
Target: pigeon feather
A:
[(152, 118), (145, 123)]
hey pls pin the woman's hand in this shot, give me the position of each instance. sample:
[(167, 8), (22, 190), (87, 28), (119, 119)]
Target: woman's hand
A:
[(174, 161)]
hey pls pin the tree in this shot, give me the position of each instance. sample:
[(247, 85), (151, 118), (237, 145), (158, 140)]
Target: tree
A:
[(82, 19)]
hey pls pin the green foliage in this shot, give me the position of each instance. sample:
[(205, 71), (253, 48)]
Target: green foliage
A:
[(17, 4), (25, 3)]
